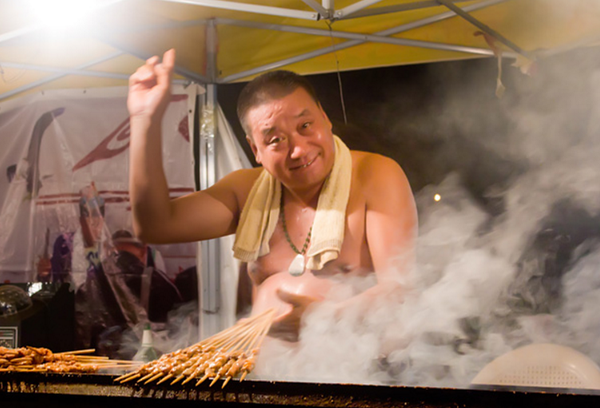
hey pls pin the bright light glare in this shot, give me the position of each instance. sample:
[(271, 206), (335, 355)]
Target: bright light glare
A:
[(62, 14), (437, 197)]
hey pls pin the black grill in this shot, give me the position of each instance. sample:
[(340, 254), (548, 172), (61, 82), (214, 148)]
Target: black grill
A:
[(69, 390)]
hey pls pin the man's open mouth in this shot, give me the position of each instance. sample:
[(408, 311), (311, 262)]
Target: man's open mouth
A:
[(304, 165)]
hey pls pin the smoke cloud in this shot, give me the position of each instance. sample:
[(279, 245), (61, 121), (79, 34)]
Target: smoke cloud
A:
[(508, 256)]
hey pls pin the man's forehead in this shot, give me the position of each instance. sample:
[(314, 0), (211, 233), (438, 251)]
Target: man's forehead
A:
[(292, 105)]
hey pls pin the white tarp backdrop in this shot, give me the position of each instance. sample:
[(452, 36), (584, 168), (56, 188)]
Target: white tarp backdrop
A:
[(54, 144)]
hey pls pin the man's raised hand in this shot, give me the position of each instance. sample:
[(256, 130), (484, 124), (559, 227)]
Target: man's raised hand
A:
[(149, 87)]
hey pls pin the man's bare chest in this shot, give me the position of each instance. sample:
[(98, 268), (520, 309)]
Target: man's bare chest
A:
[(354, 254)]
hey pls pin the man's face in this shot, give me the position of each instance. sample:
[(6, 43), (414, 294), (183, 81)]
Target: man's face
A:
[(291, 138)]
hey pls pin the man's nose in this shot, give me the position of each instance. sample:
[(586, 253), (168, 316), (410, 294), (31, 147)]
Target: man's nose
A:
[(298, 146)]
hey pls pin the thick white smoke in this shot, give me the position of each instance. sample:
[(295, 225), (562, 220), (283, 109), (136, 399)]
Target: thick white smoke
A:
[(485, 283)]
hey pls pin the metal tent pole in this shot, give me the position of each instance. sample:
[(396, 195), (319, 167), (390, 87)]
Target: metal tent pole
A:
[(356, 36), (66, 71), (55, 77), (353, 43), (356, 7), (251, 8), (189, 74), (374, 11), (210, 273), (323, 12), (488, 30)]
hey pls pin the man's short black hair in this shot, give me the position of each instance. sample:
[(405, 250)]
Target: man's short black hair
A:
[(269, 86)]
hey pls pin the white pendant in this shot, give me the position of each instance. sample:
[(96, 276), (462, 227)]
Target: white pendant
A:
[(297, 266)]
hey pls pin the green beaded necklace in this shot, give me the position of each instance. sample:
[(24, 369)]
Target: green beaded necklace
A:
[(297, 266)]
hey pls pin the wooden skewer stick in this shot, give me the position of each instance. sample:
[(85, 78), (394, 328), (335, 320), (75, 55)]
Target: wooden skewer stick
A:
[(200, 381), (234, 342), (225, 382), (90, 358), (122, 362), (132, 377), (264, 331), (86, 351), (258, 329), (176, 380), (130, 374), (122, 377), (144, 378), (215, 380), (227, 334), (104, 366), (156, 377), (242, 337), (244, 374), (200, 367), (168, 376), (190, 378)]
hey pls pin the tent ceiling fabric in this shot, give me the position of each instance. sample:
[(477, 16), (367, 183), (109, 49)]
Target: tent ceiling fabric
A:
[(220, 41)]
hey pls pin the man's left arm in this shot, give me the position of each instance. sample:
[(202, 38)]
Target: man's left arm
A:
[(391, 221)]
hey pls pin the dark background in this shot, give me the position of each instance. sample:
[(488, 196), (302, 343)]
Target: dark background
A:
[(438, 118), (519, 180)]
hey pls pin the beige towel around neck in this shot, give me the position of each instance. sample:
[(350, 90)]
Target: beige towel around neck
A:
[(261, 214)]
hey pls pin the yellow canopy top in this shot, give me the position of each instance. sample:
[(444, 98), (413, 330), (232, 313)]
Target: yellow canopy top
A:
[(220, 41)]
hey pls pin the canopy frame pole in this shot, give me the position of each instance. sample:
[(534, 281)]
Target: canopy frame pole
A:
[(66, 71), (360, 37), (483, 27), (251, 8), (191, 75), (161, 26), (352, 43), (321, 9), (358, 6), (323, 12), (391, 9), (210, 272), (58, 76)]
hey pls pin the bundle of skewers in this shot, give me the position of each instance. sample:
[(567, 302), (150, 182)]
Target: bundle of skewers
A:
[(40, 359), (226, 355)]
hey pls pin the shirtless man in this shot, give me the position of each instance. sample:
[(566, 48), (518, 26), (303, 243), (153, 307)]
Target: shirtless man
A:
[(291, 137)]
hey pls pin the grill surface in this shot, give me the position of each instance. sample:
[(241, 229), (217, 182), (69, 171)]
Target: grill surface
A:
[(56, 390)]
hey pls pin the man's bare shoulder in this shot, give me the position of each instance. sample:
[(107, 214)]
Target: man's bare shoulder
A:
[(378, 175), (241, 182), (248, 175), (366, 165)]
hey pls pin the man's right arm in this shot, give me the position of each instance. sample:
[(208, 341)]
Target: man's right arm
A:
[(156, 218)]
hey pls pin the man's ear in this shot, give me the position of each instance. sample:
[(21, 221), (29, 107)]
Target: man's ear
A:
[(254, 148)]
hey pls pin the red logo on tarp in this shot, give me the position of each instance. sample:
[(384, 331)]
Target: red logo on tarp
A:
[(112, 145), (118, 140)]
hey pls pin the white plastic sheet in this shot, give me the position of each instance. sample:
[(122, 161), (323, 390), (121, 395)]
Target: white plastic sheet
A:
[(54, 144)]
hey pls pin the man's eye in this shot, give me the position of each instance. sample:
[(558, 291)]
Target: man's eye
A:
[(306, 125), (275, 140)]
